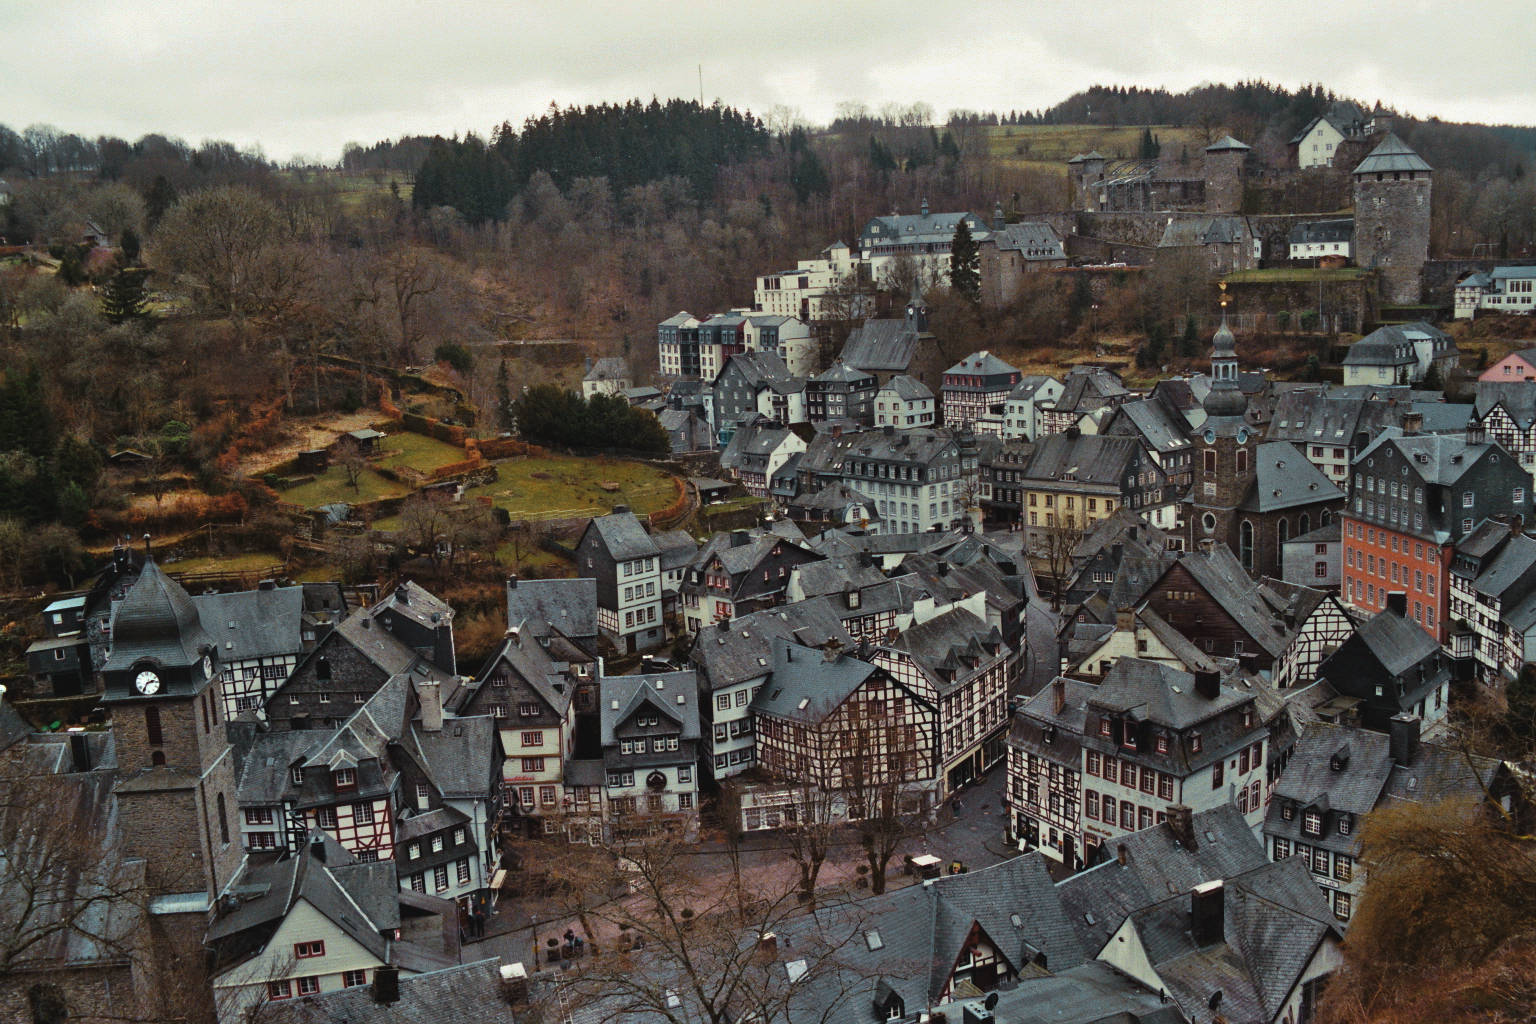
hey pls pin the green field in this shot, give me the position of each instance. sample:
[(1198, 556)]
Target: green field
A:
[(419, 452), (572, 484), (248, 562), (331, 486)]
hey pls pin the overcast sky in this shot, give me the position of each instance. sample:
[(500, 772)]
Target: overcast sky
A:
[(306, 76)]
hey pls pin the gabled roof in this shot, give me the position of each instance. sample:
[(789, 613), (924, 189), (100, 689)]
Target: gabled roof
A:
[(1435, 458), (463, 758), (415, 602), (1218, 571), (809, 685), (623, 537), (1517, 398), (672, 694), (468, 994), (984, 363), (1228, 230), (608, 368), (739, 649), (1341, 229), (1154, 692), (1392, 155), (1274, 919), (254, 623), (757, 368), (1394, 345), (1284, 478), (1085, 459), (545, 606), (1396, 641), (940, 646), (1025, 236), (677, 547), (908, 389), (881, 345), (1154, 423)]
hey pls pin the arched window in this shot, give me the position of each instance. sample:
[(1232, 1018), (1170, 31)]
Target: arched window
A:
[(1306, 525), (223, 822), (1283, 532), (152, 730), (1325, 518), (47, 1004), (157, 758), (202, 705), (1245, 545)]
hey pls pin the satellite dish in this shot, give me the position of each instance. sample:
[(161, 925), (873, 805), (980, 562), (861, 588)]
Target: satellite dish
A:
[(991, 1001)]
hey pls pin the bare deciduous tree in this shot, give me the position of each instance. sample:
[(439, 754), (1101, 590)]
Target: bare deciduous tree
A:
[(349, 456)]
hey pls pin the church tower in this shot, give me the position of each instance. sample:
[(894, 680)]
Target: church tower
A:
[(1392, 218), (1225, 448), (176, 788)]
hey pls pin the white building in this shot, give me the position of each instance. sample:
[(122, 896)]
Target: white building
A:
[(802, 292), (607, 376), (1500, 290), (787, 336), (1021, 409), (904, 402), (924, 238)]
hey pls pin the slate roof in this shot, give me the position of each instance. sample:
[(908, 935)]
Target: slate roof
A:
[(908, 389), (1025, 236), (680, 319), (417, 603), (1275, 917), (1027, 387), (463, 758), (1317, 231), (984, 363), (1518, 399), (661, 690), (468, 994), (1446, 458), (1330, 534), (1284, 478), (836, 497), (1393, 345), (1157, 865), (938, 644), (263, 764), (881, 346), (677, 546), (1225, 144), (805, 685), (1154, 423), (1154, 692), (608, 368), (1396, 641), (1509, 577), (254, 623), (569, 606), (1088, 390), (1091, 458), (1392, 155), (742, 649), (623, 536), (1205, 231), (756, 368), (1223, 578), (157, 619), (842, 372)]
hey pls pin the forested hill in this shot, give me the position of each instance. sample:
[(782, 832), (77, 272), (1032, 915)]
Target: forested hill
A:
[(1258, 111), (630, 144)]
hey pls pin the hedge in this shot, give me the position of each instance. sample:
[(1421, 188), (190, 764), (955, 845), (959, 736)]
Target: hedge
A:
[(454, 468)]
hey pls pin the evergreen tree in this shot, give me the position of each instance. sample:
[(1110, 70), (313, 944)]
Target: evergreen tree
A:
[(162, 196), (809, 178), (965, 264), (503, 397), (125, 297), (73, 505)]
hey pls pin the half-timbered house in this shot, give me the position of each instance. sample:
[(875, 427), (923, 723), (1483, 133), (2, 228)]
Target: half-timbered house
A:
[(650, 741), (961, 665), (1092, 762), (739, 572), (842, 735), (618, 552), (1317, 624)]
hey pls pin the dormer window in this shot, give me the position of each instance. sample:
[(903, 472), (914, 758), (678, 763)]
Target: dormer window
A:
[(346, 778), (297, 775), (1287, 810), (1194, 743), (1312, 823), (1345, 826), (1104, 729)]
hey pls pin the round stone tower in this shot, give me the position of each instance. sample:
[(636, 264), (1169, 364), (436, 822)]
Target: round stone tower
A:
[(1392, 197)]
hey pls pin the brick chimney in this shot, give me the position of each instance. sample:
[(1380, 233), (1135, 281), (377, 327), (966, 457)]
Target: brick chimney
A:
[(1058, 695), (386, 985), (1413, 422), (1403, 739), (1207, 906), (1181, 822)]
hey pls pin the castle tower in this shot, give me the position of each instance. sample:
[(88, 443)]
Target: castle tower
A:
[(176, 791), (1392, 215), (1224, 172), (1083, 171)]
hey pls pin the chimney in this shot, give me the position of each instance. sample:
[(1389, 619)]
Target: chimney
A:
[(386, 985), (1122, 855), (1181, 822), (586, 365), (430, 692), (768, 944), (1125, 619), (740, 538), (724, 625), (1403, 739), (977, 1011), (512, 582), (1413, 422), (925, 206), (317, 847), (889, 430), (1208, 913), (620, 509), (1058, 695), (1208, 684), (267, 585), (1117, 552), (514, 983), (367, 622), (1073, 433)]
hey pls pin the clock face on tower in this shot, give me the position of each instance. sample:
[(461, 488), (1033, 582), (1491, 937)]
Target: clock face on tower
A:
[(147, 682), (207, 667)]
